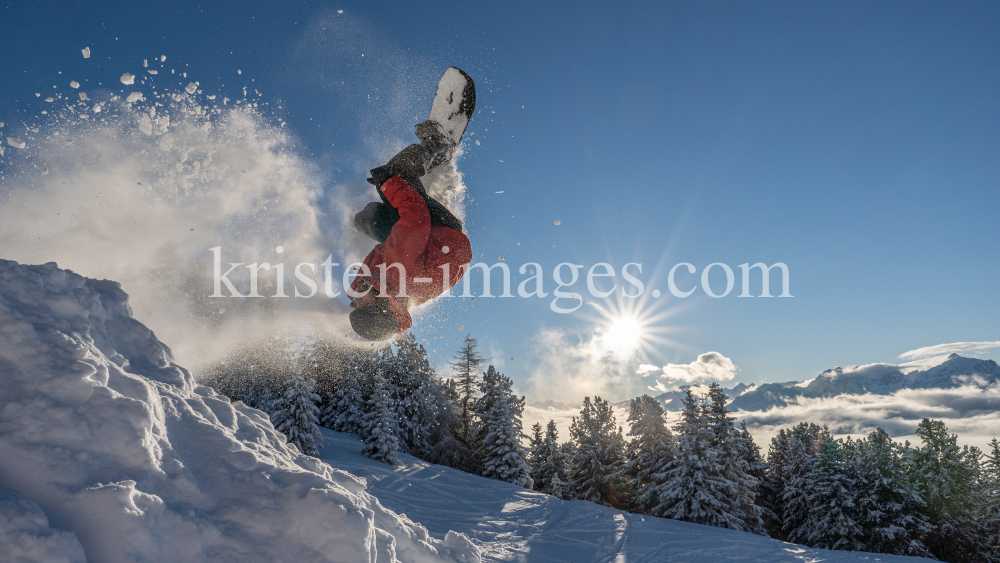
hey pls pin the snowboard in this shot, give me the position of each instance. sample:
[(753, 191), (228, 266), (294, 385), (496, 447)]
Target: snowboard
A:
[(454, 104)]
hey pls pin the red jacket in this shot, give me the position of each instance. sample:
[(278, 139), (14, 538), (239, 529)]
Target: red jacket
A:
[(425, 251)]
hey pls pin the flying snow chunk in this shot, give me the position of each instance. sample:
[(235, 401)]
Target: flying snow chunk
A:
[(238, 71), (163, 58), (83, 96), (15, 142), (557, 221), (340, 11), (128, 79), (145, 125), (45, 170), (151, 71), (74, 84), (86, 52), (191, 88), (50, 99), (134, 97)]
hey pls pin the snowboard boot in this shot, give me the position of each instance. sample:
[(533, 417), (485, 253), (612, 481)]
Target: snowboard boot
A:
[(438, 148)]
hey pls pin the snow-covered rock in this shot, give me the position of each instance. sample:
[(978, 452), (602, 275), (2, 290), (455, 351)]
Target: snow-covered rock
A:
[(106, 440)]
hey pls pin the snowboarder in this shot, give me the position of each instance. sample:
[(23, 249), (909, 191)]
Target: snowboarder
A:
[(421, 251)]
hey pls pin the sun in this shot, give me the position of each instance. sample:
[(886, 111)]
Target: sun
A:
[(631, 329), (623, 335)]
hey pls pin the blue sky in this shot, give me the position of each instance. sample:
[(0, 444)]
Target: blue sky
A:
[(855, 142)]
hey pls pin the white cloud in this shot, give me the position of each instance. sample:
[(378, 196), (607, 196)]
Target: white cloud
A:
[(647, 369), (944, 349), (710, 366)]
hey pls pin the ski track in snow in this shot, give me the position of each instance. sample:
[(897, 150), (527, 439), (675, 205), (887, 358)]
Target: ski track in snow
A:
[(509, 523)]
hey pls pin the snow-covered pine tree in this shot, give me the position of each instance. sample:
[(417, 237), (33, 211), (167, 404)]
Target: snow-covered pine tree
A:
[(549, 474), (991, 467), (991, 472), (596, 464), (295, 415), (728, 444), (834, 518), (804, 442), (413, 400), (345, 407), (445, 448), (695, 488), (649, 452), (466, 373), (498, 430), (772, 488), (948, 478), (379, 430), (568, 450), (889, 504), (535, 456), (748, 452)]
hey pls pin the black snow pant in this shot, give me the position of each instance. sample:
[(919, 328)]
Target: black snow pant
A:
[(377, 218)]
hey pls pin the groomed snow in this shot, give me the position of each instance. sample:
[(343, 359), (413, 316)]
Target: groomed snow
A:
[(509, 523), (108, 445)]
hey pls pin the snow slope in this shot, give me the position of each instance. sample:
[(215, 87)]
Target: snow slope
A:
[(109, 448), (510, 523)]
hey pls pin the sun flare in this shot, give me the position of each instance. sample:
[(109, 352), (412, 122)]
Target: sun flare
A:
[(624, 335)]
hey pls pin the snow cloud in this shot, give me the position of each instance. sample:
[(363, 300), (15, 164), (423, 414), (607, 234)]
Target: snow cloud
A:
[(140, 195), (945, 349)]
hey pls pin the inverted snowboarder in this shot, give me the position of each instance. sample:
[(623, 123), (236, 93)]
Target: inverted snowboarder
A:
[(413, 229)]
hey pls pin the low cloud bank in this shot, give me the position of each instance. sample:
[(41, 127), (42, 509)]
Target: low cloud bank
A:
[(970, 411)]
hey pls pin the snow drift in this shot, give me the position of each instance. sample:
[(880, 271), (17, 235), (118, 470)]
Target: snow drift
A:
[(108, 445)]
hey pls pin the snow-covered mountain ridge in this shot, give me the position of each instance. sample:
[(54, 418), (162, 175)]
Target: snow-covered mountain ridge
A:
[(110, 452), (945, 372)]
